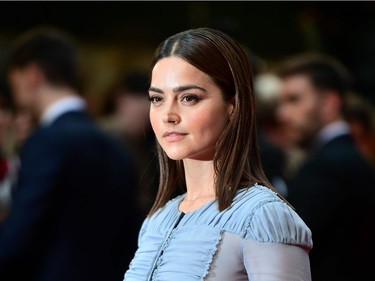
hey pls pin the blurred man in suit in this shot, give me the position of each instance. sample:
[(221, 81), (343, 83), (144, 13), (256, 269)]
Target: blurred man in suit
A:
[(333, 191), (72, 215)]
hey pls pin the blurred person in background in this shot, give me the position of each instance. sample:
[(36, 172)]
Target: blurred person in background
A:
[(72, 215), (127, 119), (15, 127), (360, 115), (333, 190), (273, 156), (6, 116)]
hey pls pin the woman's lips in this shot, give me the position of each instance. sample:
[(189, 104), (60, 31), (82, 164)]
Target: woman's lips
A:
[(173, 136)]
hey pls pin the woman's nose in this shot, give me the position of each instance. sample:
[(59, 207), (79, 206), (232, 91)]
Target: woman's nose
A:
[(170, 114), (171, 118)]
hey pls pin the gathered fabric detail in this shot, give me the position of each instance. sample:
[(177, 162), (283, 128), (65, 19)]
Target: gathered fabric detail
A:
[(213, 252), (275, 222), (185, 250), (188, 257)]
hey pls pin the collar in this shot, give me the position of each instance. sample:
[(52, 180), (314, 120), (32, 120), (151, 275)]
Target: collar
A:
[(331, 131), (60, 107)]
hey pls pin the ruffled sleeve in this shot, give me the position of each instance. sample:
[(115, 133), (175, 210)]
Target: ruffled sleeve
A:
[(276, 222), (276, 244)]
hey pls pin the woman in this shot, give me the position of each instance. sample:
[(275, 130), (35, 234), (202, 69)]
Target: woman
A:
[(227, 225)]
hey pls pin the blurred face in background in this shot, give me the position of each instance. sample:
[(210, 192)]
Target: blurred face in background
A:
[(22, 83), (299, 110), (132, 111), (188, 112)]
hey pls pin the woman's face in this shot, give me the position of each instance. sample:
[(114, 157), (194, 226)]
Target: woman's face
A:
[(188, 112)]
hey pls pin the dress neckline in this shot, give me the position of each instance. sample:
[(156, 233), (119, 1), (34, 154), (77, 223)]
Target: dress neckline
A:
[(195, 210)]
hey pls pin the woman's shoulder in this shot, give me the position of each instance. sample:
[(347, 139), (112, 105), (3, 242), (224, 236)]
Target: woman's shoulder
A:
[(268, 218), (256, 192), (248, 200)]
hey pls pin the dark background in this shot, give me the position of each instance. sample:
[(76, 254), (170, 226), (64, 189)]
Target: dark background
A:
[(120, 35)]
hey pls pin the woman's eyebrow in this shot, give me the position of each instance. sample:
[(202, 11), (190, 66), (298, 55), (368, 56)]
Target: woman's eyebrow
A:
[(188, 87), (156, 90), (178, 89)]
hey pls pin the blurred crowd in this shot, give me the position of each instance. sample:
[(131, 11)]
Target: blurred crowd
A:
[(317, 141)]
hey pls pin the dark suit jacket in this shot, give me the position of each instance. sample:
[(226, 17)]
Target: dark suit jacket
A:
[(73, 216), (334, 194)]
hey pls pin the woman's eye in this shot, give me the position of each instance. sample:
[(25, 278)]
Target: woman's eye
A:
[(190, 98), (155, 99)]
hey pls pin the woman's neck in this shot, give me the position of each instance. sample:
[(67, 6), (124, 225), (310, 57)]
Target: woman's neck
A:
[(199, 176)]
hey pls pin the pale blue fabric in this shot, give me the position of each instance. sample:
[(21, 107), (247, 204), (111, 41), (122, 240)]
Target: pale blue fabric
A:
[(185, 252)]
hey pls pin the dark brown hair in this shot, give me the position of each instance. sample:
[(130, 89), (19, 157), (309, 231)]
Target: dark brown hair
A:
[(325, 72), (236, 162), (52, 51)]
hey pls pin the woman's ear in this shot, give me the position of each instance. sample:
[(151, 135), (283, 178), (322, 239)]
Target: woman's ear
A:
[(231, 107)]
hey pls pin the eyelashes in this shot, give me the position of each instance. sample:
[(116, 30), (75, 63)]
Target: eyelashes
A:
[(155, 99), (186, 99), (189, 98)]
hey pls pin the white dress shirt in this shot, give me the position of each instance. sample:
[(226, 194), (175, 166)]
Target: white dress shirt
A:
[(58, 108)]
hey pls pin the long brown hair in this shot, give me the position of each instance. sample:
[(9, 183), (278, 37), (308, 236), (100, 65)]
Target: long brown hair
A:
[(237, 161)]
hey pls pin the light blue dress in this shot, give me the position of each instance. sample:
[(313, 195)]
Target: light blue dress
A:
[(250, 240)]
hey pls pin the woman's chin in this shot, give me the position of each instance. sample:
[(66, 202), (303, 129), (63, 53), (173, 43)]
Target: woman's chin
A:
[(174, 156)]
